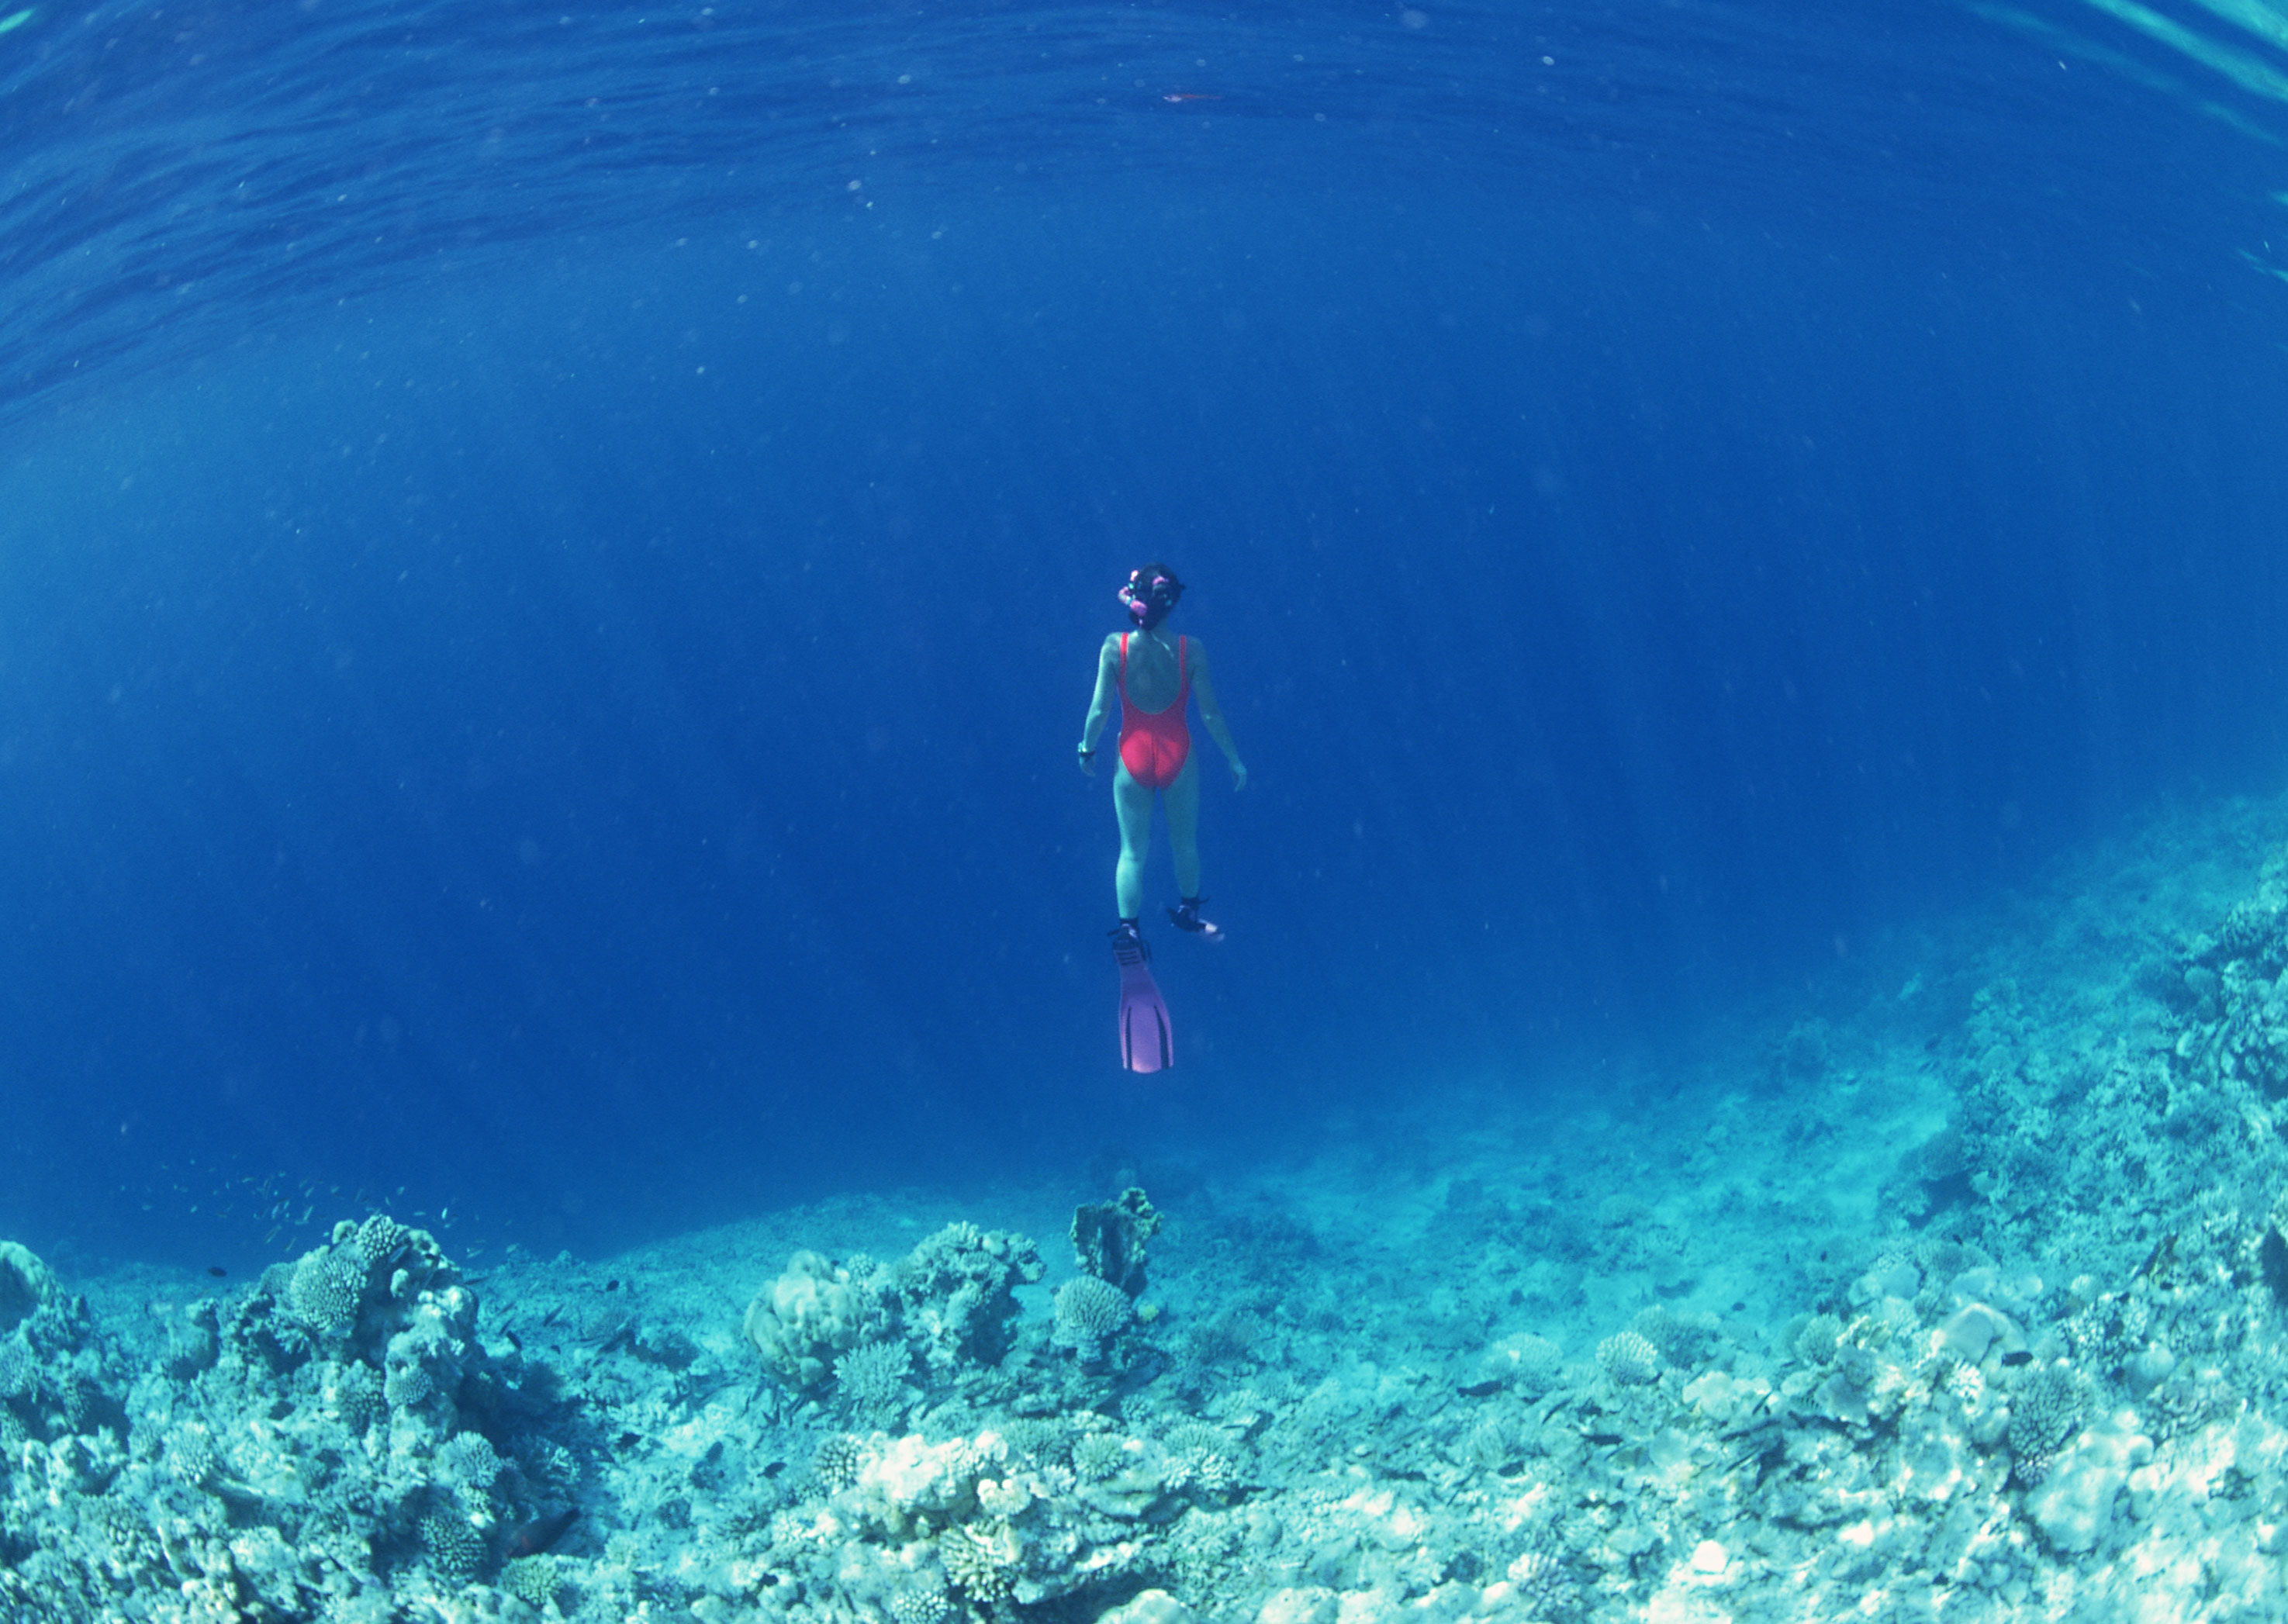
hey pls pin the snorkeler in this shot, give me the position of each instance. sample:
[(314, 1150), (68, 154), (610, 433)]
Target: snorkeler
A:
[(1155, 758)]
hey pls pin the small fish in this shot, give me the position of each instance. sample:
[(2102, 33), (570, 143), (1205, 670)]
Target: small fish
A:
[(1189, 96), (541, 1532), (217, 1269)]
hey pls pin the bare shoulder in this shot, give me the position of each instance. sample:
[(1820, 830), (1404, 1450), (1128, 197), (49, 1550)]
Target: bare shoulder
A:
[(1109, 649)]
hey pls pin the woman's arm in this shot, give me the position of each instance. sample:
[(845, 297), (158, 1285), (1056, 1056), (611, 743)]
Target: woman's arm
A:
[(1100, 705), (1211, 714)]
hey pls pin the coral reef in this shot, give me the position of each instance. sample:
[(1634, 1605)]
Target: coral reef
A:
[(1090, 1312), (260, 1470), (952, 1298), (1984, 1321), (813, 1312), (1110, 1239)]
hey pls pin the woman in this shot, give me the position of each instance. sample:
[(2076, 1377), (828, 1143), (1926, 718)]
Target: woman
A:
[(1153, 674)]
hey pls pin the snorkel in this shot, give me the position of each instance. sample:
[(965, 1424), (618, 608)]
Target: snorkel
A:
[(1150, 593)]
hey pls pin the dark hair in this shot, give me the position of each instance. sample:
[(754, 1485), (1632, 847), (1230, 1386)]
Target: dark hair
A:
[(1150, 593)]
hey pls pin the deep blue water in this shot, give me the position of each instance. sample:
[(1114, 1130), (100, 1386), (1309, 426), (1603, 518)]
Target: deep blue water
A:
[(550, 561)]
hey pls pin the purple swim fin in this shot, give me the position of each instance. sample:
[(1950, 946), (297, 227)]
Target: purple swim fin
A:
[(1146, 1044)]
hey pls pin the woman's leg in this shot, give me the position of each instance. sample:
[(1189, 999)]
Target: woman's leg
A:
[(1133, 803), (1182, 800)]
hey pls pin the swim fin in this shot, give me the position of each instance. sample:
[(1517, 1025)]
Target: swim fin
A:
[(1145, 1042)]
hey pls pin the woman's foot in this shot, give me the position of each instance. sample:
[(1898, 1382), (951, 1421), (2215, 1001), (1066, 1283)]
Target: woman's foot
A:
[(1186, 916), (1128, 944)]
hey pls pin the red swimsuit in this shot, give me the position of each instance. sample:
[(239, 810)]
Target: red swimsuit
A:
[(1155, 744)]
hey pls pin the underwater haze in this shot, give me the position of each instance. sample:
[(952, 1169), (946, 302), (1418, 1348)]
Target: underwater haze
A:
[(551, 563)]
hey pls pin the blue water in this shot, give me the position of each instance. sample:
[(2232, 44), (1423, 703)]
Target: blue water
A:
[(549, 562)]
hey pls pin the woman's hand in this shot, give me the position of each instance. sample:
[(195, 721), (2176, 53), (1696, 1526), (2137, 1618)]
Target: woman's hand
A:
[(1239, 775), (1087, 761)]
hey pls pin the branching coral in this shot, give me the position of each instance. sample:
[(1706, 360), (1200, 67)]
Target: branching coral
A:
[(1629, 1358), (873, 1378), (1089, 1313)]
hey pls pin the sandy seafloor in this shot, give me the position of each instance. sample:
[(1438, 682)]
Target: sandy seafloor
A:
[(1959, 1296)]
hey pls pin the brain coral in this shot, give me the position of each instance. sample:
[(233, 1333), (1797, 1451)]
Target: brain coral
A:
[(815, 1311)]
